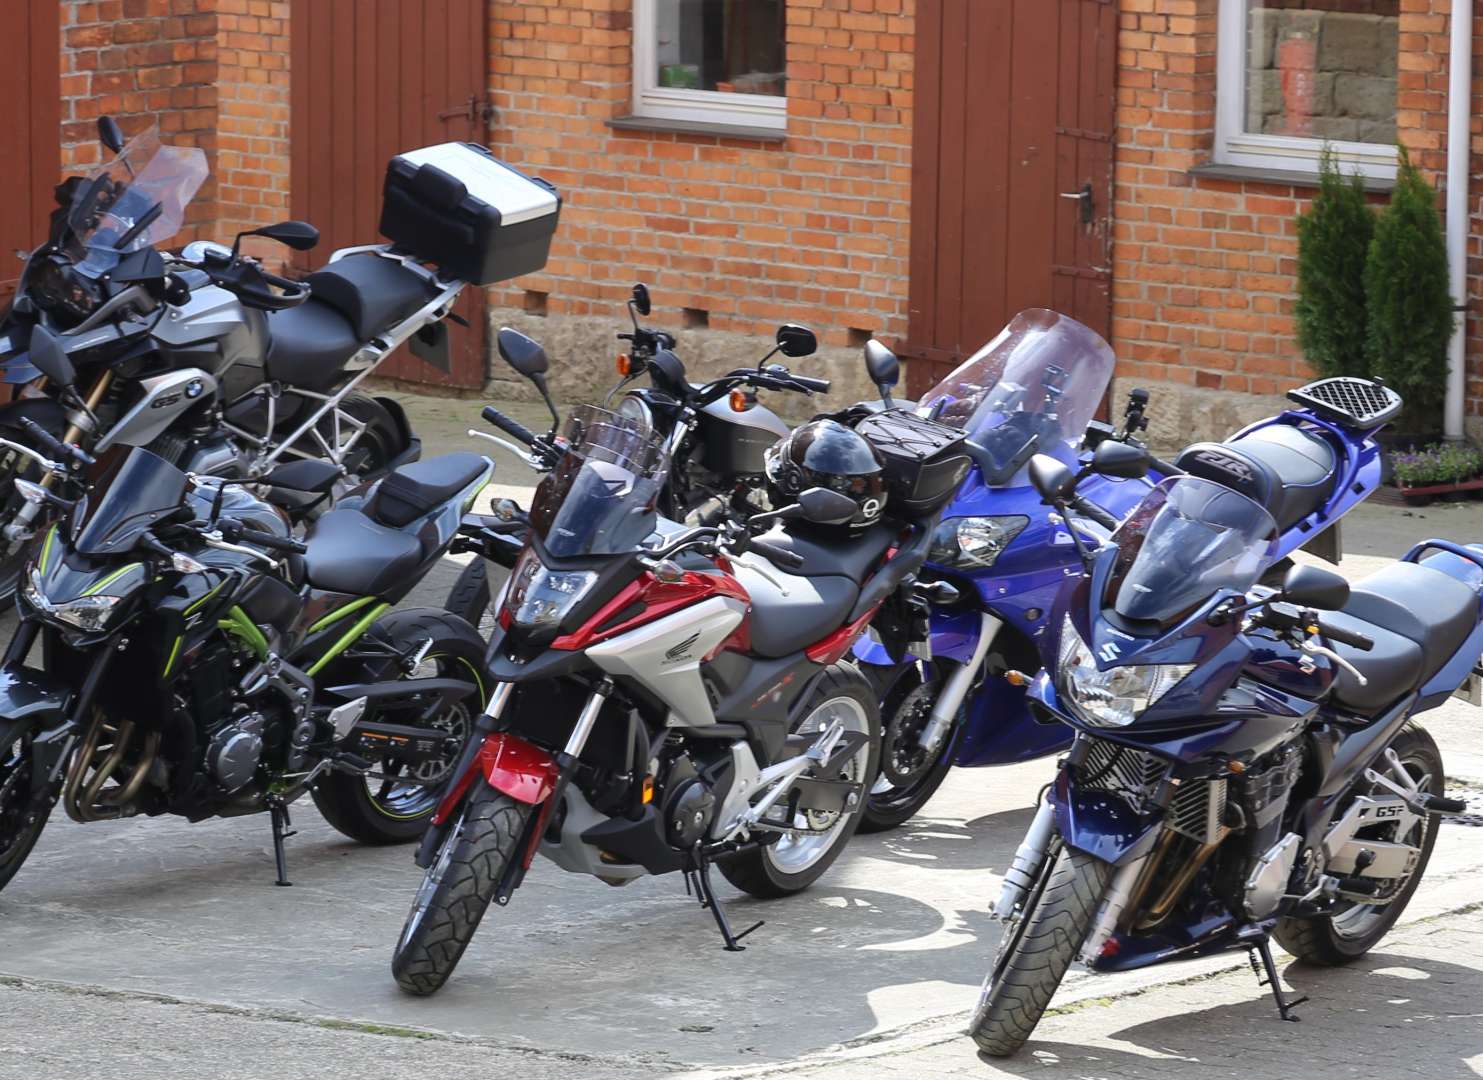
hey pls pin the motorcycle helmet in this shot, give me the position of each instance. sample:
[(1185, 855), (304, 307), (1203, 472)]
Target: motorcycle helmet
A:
[(825, 453)]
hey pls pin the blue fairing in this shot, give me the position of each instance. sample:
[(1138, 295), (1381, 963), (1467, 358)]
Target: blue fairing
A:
[(1100, 824)]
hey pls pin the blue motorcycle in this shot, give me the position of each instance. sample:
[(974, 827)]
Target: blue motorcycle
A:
[(1245, 763), (1004, 554)]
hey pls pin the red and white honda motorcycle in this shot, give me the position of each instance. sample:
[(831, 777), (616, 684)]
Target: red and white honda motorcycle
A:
[(664, 698)]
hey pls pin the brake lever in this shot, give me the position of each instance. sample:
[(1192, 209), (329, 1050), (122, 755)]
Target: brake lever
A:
[(214, 540), (1323, 650), (526, 457), (765, 575)]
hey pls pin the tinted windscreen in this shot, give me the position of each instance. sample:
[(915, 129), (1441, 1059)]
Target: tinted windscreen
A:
[(1187, 539), (128, 499)]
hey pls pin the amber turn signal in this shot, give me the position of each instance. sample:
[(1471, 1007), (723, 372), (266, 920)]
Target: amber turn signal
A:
[(648, 790), (625, 364), (1016, 678), (741, 401)]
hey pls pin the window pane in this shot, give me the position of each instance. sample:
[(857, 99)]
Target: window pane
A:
[(1322, 69), (735, 46)]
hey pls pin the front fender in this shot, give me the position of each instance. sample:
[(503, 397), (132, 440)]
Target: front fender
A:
[(510, 765), (1101, 824), (34, 704)]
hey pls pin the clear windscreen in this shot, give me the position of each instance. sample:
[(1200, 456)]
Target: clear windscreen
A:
[(1033, 388), (1188, 539), (128, 499), (600, 499), (136, 200)]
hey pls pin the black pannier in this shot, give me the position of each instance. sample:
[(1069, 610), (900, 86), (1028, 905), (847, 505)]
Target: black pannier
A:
[(925, 460), (457, 206)]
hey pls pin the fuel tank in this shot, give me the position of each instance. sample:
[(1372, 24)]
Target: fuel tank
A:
[(733, 443)]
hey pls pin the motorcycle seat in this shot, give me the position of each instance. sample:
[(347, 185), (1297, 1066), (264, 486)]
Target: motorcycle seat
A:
[(1418, 618), (853, 558), (1288, 470), (813, 608), (420, 488), (351, 553), (351, 301)]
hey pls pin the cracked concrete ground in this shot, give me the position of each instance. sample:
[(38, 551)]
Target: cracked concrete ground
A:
[(152, 946)]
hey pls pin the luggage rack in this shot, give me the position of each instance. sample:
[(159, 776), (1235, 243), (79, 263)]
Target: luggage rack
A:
[(1353, 403)]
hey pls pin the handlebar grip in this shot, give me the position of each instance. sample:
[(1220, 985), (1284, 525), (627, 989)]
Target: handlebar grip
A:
[(54, 445), (819, 386), (509, 425), (1088, 509), (777, 555), (233, 531), (1164, 468), (1345, 637)]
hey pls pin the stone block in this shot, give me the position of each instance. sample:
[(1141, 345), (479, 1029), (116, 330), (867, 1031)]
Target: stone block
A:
[(1349, 43), (1368, 97), (1261, 38)]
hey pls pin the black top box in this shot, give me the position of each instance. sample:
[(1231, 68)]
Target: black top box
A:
[(459, 207)]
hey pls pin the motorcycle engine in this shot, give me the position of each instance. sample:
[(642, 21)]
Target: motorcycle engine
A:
[(235, 750)]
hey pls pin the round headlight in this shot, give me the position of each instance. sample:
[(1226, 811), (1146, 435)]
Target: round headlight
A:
[(637, 409)]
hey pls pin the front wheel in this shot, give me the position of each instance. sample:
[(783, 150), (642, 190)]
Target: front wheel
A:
[(391, 804), (909, 773), (795, 860), (458, 889), (1039, 946), (23, 814)]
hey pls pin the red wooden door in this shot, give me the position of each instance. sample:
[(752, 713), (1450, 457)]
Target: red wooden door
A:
[(1011, 171), (372, 78), (30, 137)]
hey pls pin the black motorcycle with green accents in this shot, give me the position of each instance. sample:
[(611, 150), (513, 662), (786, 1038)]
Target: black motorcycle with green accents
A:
[(181, 653)]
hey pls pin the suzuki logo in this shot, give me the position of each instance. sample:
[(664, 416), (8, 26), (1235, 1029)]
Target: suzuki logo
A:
[(682, 650), (1109, 651)]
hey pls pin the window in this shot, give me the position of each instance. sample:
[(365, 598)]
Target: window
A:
[(711, 61), (1295, 75)]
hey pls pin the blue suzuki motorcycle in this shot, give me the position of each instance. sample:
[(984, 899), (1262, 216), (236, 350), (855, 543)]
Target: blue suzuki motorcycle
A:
[(1245, 763), (1004, 555)]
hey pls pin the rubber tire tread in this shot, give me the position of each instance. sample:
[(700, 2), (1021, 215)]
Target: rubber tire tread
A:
[(750, 870), (492, 828), (1043, 954), (1313, 940), (343, 798)]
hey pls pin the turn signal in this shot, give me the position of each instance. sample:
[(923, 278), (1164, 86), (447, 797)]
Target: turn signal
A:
[(625, 364), (741, 401), (1016, 678), (648, 790)]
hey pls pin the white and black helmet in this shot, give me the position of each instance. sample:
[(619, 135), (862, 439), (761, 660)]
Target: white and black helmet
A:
[(825, 453)]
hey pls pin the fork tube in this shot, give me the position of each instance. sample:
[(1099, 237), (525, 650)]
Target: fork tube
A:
[(945, 709), (74, 431)]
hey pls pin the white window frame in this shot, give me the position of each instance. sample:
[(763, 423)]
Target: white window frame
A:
[(1287, 153), (693, 106)]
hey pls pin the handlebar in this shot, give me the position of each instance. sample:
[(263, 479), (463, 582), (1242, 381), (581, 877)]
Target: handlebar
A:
[(819, 386), (1345, 637), (233, 531), (1090, 510), (509, 425), (780, 556), (54, 445)]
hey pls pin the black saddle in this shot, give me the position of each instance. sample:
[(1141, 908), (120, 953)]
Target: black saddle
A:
[(350, 302), (1287, 469), (368, 550), (1418, 618)]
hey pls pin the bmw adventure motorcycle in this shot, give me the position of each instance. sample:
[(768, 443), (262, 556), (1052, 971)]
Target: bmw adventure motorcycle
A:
[(196, 659), (204, 357), (1246, 764), (664, 698), (1005, 554)]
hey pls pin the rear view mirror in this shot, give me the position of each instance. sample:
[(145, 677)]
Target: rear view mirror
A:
[(1314, 587), (49, 358), (299, 235), (1120, 460), (1051, 478), (824, 507), (110, 134), (640, 301), (795, 341), (522, 353), (883, 367)]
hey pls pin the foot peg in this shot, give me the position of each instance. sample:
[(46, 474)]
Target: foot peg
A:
[(1260, 955), (1436, 804)]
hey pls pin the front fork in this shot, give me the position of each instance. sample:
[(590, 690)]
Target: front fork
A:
[(950, 701)]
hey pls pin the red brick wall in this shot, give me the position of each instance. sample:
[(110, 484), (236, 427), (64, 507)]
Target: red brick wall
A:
[(813, 229), (253, 128)]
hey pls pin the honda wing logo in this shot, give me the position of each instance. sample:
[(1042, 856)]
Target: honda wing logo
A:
[(682, 650), (1109, 652)]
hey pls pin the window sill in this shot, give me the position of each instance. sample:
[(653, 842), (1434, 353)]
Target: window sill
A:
[(1215, 171), (697, 127)]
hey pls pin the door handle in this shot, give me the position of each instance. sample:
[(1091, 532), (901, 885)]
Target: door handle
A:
[(1088, 201)]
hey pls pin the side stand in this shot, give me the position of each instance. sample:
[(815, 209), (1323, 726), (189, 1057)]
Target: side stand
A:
[(700, 874), (278, 812), (1260, 955)]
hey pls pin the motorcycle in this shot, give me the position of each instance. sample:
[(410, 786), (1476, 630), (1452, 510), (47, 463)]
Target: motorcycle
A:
[(665, 698), (196, 659), (716, 434), (1034, 389), (206, 358), (1246, 765)]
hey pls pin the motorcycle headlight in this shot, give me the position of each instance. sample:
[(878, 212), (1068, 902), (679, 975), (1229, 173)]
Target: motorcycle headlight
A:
[(1115, 697), (541, 597), (637, 410), (87, 613), (973, 543)]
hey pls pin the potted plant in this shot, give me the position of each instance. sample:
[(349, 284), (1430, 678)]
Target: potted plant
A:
[(1438, 469)]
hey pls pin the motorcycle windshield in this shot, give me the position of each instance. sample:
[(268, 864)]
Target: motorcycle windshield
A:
[(600, 499), (128, 499), (1032, 389), (1188, 539), (136, 200)]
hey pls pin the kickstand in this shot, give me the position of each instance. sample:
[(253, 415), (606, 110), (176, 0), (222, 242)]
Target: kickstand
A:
[(278, 812), (700, 874), (1261, 947)]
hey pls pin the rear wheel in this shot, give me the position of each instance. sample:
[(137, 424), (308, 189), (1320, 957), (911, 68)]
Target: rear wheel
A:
[(458, 888), (1349, 933), (376, 447), (795, 860), (392, 803), (22, 814), (470, 597), (1039, 946)]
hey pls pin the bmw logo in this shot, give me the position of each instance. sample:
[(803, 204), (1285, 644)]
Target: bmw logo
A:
[(195, 388)]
